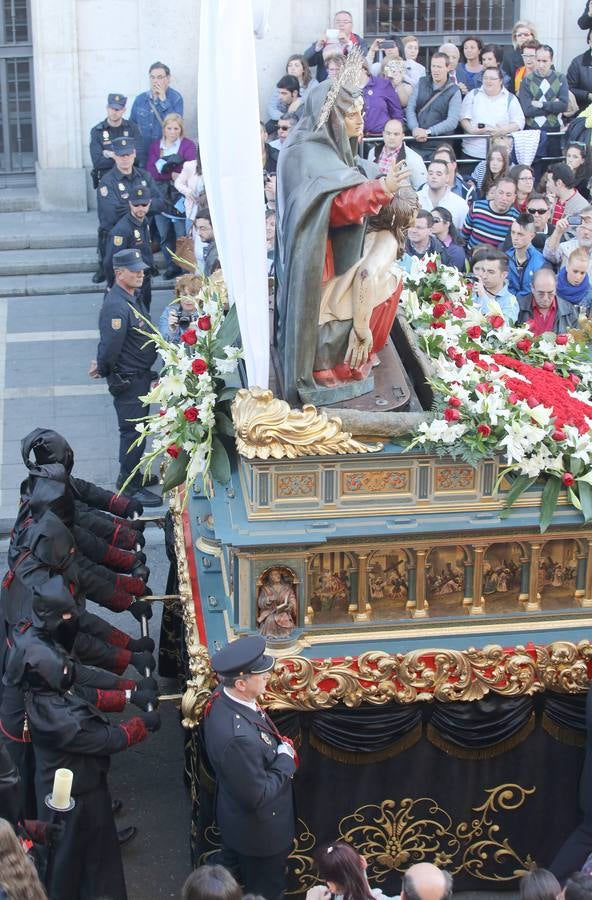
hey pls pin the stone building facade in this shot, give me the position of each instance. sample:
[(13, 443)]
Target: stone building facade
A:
[(83, 49)]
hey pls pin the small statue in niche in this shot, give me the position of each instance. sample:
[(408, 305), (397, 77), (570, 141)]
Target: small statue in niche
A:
[(276, 605)]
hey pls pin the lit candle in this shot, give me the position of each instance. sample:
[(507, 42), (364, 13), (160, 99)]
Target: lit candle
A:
[(62, 787)]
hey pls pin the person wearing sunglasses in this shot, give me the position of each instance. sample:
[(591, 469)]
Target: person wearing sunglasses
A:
[(285, 123), (132, 232), (538, 207)]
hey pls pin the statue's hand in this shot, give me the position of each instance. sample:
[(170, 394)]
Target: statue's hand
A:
[(397, 177), (359, 347)]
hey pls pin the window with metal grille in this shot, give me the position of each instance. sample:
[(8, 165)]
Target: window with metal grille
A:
[(440, 19), (17, 121)]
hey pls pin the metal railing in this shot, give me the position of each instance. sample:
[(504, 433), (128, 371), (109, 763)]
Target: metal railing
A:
[(369, 141)]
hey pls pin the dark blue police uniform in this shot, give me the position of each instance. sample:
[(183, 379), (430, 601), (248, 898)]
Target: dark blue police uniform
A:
[(254, 803), (124, 359), (103, 134), (113, 194), (131, 233)]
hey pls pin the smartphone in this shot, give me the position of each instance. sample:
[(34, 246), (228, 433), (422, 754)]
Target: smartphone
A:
[(574, 220), (387, 45), (332, 35)]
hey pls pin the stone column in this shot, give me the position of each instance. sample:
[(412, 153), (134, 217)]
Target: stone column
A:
[(534, 598), (364, 610), (411, 585), (422, 606), (580, 576), (468, 584), (478, 605), (524, 576), (551, 28), (61, 178)]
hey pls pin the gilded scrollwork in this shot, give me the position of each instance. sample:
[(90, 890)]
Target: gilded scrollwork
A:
[(268, 428), (201, 679), (563, 666), (301, 870), (395, 835), (377, 677)]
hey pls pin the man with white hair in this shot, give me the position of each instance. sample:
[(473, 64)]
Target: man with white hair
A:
[(424, 881)]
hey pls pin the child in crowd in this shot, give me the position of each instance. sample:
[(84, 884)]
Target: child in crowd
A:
[(489, 170), (573, 282), (490, 266)]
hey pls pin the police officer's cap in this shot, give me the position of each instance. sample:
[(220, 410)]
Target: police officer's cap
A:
[(129, 259), (123, 146), (140, 195), (116, 101), (246, 656)]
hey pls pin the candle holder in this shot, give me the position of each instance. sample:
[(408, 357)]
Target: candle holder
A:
[(56, 812), (60, 809)]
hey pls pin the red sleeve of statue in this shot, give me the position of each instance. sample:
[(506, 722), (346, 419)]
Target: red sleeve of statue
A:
[(351, 205)]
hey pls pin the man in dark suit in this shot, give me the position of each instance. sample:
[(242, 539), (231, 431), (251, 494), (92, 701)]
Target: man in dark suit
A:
[(254, 767)]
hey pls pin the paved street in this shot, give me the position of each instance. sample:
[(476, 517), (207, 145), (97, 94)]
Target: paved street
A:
[(46, 344)]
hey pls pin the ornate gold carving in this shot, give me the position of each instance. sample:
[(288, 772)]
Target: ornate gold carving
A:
[(563, 666), (267, 427), (395, 836), (450, 479), (379, 481), (377, 677), (201, 678)]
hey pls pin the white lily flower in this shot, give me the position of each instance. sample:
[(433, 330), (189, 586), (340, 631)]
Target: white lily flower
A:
[(225, 366), (541, 414)]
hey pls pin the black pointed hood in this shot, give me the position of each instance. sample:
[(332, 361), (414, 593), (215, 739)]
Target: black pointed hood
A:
[(36, 663), (48, 447)]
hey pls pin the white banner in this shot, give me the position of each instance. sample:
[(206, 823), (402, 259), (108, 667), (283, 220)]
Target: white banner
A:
[(230, 149)]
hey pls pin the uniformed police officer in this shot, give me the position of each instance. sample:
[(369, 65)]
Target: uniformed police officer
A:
[(133, 231), (101, 153), (115, 188), (254, 767), (125, 360)]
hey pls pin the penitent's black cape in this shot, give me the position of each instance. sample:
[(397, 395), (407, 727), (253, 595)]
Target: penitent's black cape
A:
[(314, 166)]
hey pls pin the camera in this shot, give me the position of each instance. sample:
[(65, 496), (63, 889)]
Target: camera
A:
[(184, 320), (387, 45)]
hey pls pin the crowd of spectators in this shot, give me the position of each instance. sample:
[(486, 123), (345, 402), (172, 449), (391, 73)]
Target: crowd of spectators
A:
[(516, 123), (520, 190), (515, 216)]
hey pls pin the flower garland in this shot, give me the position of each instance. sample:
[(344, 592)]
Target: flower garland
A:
[(192, 395), (500, 389)]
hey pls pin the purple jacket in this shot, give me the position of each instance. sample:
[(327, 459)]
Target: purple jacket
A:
[(381, 103), (187, 151)]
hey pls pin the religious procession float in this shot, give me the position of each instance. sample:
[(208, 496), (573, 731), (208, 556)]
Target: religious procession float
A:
[(404, 512)]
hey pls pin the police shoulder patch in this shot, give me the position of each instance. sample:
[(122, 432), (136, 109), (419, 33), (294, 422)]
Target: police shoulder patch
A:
[(116, 324), (104, 191), (117, 240)]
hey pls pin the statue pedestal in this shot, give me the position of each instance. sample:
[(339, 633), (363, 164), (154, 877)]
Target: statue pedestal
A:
[(386, 389)]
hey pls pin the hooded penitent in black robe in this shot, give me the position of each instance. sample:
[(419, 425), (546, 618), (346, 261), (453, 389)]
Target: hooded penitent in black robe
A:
[(315, 167)]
